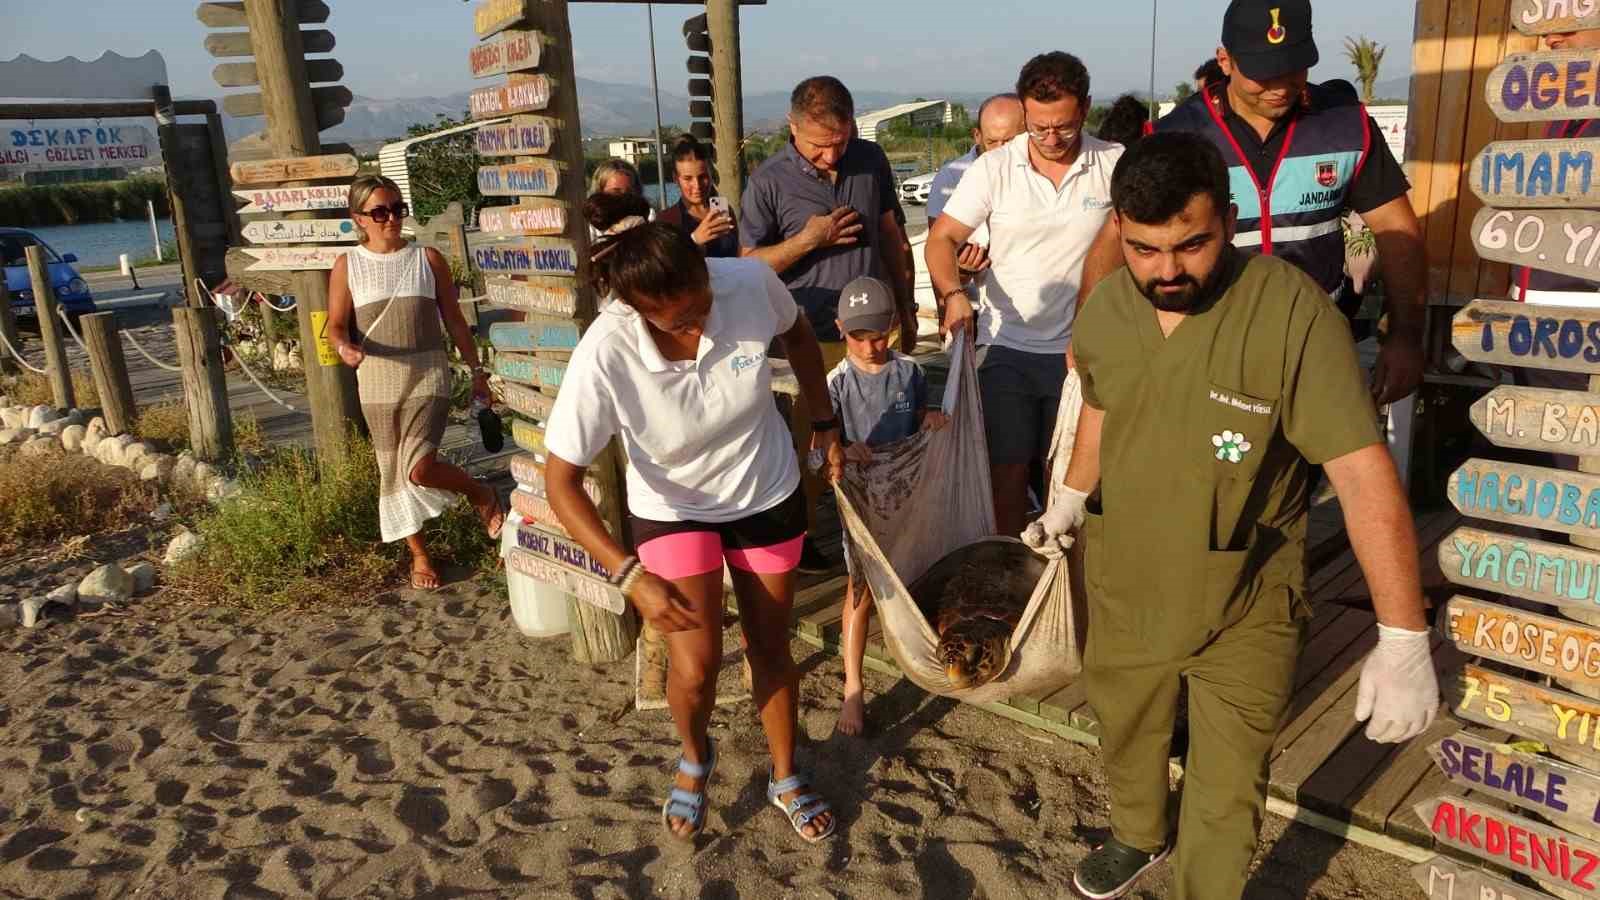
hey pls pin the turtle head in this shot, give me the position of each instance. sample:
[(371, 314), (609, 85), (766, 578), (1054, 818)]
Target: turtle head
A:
[(974, 659)]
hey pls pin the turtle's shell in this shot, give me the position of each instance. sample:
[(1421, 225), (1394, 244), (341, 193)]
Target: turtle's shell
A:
[(974, 598)]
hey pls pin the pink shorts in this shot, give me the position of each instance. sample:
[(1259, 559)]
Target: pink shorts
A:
[(767, 543)]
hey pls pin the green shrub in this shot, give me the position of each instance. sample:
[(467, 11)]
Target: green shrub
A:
[(60, 494), (33, 389), (71, 204)]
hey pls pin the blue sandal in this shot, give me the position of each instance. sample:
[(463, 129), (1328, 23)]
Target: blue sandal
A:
[(802, 809), (690, 805)]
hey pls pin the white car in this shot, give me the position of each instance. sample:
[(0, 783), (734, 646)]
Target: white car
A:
[(916, 190)]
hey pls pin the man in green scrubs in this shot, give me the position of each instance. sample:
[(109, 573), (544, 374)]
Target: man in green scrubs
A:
[(1211, 381)]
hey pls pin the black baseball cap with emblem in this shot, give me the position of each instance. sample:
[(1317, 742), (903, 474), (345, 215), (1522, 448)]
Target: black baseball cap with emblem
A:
[(1269, 38)]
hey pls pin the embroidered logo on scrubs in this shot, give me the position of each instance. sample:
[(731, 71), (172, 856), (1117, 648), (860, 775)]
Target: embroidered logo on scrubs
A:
[(1231, 446), (747, 361)]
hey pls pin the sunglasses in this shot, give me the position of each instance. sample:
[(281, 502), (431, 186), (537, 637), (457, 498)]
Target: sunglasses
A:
[(381, 214)]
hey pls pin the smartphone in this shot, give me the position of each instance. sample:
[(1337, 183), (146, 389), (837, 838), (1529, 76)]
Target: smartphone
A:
[(719, 205)]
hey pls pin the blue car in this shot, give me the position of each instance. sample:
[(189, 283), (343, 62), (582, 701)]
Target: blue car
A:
[(71, 290)]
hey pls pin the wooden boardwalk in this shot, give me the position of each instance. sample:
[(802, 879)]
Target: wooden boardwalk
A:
[(1323, 770)]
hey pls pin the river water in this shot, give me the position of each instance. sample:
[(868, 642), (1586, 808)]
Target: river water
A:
[(99, 243)]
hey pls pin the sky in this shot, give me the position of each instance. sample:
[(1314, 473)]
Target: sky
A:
[(923, 47)]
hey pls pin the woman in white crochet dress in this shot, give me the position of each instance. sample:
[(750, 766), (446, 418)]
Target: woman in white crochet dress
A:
[(389, 304)]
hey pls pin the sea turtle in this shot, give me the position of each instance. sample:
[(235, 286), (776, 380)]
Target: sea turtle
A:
[(974, 599)]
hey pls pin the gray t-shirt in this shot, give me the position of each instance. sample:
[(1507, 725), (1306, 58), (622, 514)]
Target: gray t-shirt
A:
[(881, 408)]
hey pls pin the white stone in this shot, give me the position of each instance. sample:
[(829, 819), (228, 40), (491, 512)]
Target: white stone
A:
[(162, 512), (144, 577), (111, 449), (183, 469), (54, 426), (72, 438), (156, 468), (134, 455), (30, 611), (221, 489), (285, 357), (109, 583), (184, 545), (38, 446), (39, 415), (204, 473), (66, 595), (14, 435), (98, 423), (74, 417), (14, 416)]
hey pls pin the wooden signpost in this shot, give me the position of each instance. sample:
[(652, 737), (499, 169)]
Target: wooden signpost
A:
[(1536, 173), (1548, 86), (1549, 646), (536, 510), (535, 178), (1555, 240), (536, 335), (1558, 718), (590, 590), (523, 94), (302, 168), (297, 199), (297, 259), (1564, 422), (562, 551), (554, 296), (531, 218), (1558, 574), (1516, 843), (511, 51), (301, 231), (528, 402), (1561, 792), (494, 16), (532, 370), (528, 436), (1506, 333), (527, 256), (1445, 879), (1552, 499), (522, 136), (529, 475), (1554, 16)]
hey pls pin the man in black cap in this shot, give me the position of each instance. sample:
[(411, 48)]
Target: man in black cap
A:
[(1299, 155)]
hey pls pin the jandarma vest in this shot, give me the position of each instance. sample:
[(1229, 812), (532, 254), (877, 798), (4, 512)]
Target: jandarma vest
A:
[(1296, 215)]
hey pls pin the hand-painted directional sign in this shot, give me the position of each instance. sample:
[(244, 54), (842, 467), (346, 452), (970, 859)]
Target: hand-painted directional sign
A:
[(529, 475), (298, 168), (1535, 87), (78, 146), (1442, 878), (564, 551), (522, 94), (532, 370), (1554, 16), (536, 335), (1514, 334), (532, 217), (522, 136), (494, 16), (1561, 792), (528, 436), (555, 296), (537, 511), (295, 258), (1518, 174), (590, 590), (528, 402), (527, 256), (1518, 844), (1559, 574), (226, 44), (1552, 499), (527, 179), (295, 199), (1557, 240), (1562, 720), (511, 51), (1566, 422), (1549, 646), (301, 231)]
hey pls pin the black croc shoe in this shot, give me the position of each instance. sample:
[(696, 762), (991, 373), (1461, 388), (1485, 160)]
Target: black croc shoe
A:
[(1112, 868)]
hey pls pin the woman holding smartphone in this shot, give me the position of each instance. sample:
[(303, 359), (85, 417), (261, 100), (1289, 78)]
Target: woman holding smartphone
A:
[(700, 214)]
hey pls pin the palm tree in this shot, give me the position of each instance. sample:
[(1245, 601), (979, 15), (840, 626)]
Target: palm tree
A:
[(1366, 55)]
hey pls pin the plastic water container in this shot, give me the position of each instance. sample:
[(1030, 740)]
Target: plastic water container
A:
[(539, 609)]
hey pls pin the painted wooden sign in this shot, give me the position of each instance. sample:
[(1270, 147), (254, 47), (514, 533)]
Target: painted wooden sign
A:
[(227, 44), (231, 14), (536, 509), (529, 475), (80, 146), (295, 199), (1557, 240), (1444, 879), (284, 259), (1558, 791), (510, 51), (564, 551), (1506, 333), (494, 16), (300, 168), (589, 590), (245, 74), (528, 402), (1554, 16), (534, 370), (1554, 717), (526, 179), (1518, 844), (1559, 574), (1537, 87), (532, 335), (1518, 174), (522, 136), (1565, 422), (531, 218), (1552, 499), (554, 296), (1549, 646), (527, 256), (522, 94), (528, 436), (301, 231)]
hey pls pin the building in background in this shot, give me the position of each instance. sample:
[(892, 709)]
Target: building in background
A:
[(634, 150), (918, 114)]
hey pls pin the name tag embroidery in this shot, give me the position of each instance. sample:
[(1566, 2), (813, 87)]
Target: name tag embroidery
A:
[(1241, 403)]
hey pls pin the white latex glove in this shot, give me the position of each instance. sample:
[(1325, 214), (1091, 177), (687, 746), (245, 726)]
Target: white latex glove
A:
[(1051, 534), (1398, 690)]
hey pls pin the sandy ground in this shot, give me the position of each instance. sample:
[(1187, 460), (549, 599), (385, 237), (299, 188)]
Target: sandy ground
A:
[(418, 746)]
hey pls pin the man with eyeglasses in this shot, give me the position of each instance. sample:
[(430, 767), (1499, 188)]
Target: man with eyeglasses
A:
[(1044, 196)]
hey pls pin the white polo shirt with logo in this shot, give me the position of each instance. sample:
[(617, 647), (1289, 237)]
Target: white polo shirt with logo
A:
[(703, 438), (1039, 236)]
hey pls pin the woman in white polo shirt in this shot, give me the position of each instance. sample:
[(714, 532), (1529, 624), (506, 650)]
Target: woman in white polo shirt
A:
[(676, 367)]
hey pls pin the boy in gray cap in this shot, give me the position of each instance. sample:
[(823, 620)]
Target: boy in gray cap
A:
[(881, 397)]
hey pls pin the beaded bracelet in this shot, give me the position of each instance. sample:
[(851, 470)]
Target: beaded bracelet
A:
[(623, 570), (634, 573)]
